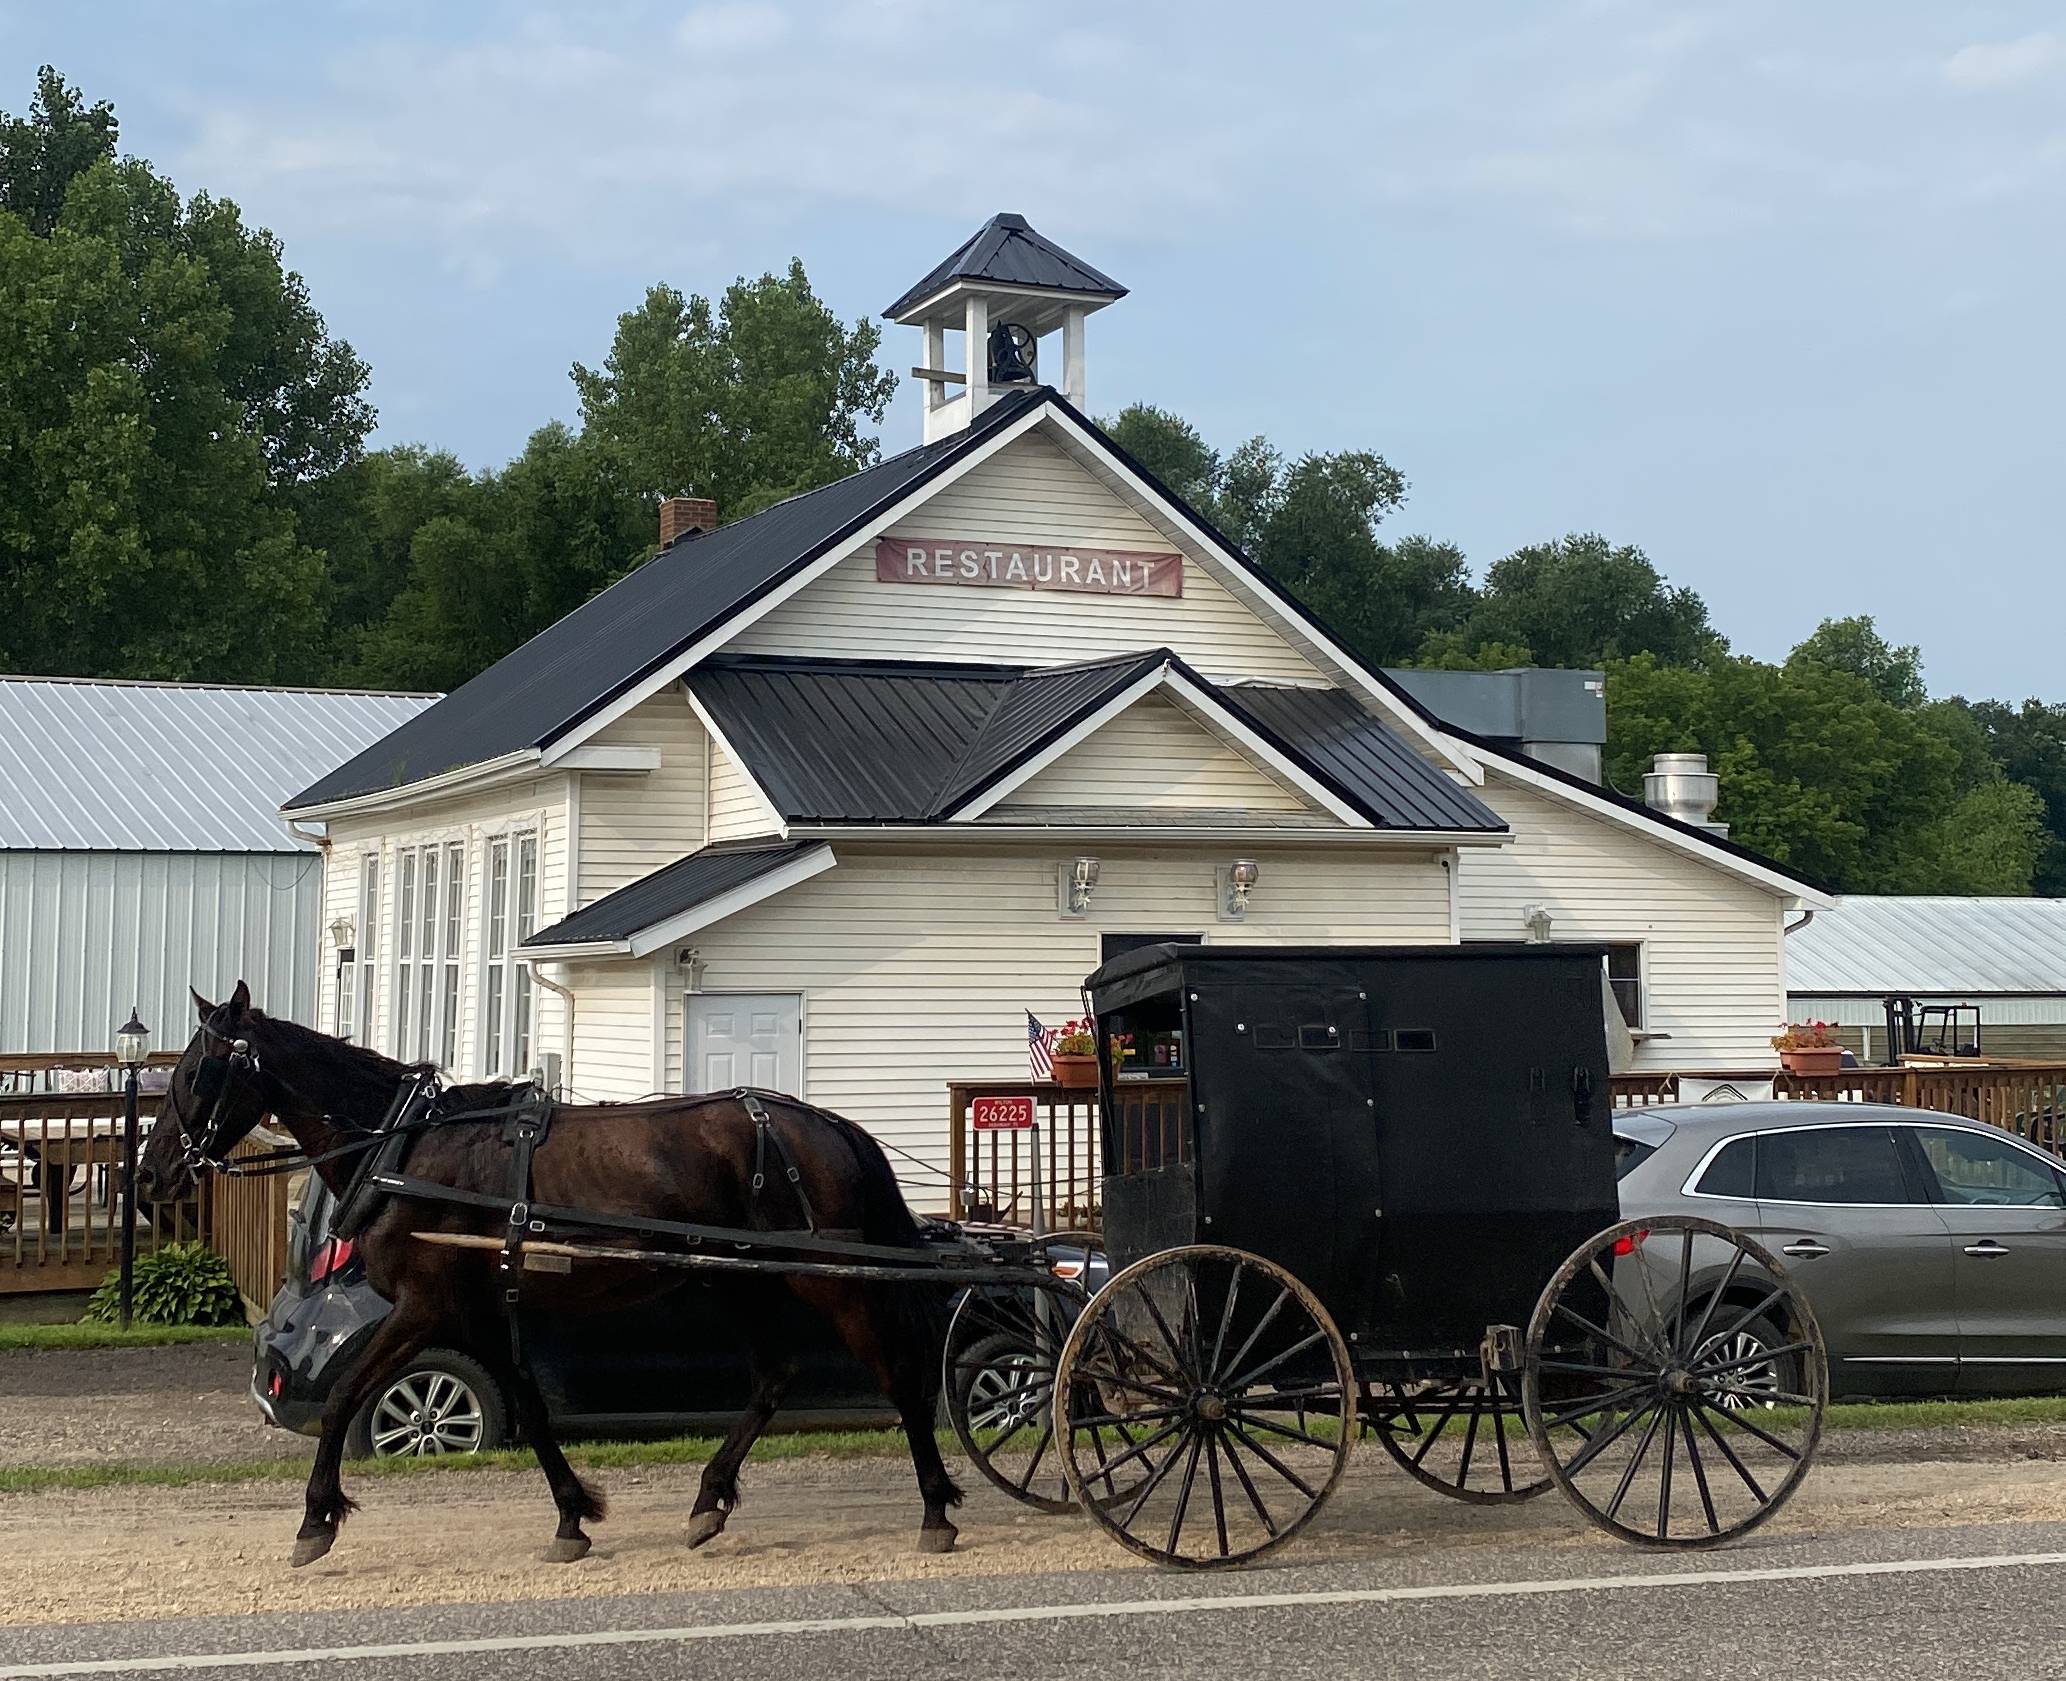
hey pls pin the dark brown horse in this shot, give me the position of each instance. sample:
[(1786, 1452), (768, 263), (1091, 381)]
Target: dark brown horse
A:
[(688, 1159)]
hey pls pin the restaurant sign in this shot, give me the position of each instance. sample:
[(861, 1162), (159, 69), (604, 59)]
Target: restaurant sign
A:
[(944, 560)]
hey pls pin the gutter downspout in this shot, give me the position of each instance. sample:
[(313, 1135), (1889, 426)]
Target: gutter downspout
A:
[(1807, 916), (566, 1025)]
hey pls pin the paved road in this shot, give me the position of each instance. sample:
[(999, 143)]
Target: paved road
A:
[(1909, 1602)]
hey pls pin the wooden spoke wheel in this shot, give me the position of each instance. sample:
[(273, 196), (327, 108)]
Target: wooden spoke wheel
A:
[(1675, 1381), (999, 1388), (1461, 1437), (1225, 1407)]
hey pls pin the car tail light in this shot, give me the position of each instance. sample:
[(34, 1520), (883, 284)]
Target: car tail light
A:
[(332, 1256), (274, 1385), (1626, 1243)]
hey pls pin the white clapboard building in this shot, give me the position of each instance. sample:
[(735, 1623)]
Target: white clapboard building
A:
[(829, 798)]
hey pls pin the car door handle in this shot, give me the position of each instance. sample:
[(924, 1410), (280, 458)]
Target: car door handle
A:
[(1805, 1249), (1986, 1249)]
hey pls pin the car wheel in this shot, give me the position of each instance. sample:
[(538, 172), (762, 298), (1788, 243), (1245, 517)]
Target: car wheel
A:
[(444, 1403), (1757, 1371)]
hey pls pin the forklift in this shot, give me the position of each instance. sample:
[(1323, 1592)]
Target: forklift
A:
[(1950, 1030)]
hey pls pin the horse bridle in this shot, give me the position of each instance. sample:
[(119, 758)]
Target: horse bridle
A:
[(242, 1062)]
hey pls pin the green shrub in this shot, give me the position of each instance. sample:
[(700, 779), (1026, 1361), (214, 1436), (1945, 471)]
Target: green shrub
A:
[(180, 1284)]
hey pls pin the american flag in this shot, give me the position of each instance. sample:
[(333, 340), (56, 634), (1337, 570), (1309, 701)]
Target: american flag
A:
[(1040, 1047)]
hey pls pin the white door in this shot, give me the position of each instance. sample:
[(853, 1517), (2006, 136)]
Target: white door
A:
[(746, 1039)]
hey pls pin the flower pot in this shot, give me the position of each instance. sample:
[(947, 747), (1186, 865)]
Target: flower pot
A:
[(1813, 1059), (1076, 1073)]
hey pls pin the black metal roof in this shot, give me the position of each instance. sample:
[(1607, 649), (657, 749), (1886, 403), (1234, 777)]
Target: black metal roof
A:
[(575, 667), (667, 892), (844, 741), (1006, 249)]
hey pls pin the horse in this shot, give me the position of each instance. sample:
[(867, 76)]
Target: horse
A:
[(694, 1159)]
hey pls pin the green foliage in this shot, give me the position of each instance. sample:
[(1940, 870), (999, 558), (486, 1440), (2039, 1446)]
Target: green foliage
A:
[(2029, 743), (761, 398), (165, 385), (1819, 770), (1856, 646), (1583, 601), (180, 1284)]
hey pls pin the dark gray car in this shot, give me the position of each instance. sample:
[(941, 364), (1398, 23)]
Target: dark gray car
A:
[(1932, 1249)]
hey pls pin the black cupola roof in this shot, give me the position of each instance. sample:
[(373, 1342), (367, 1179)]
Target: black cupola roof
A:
[(1007, 251)]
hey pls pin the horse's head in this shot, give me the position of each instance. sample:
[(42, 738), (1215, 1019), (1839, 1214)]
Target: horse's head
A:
[(213, 1100)]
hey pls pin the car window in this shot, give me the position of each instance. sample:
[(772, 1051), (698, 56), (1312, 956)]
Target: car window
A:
[(1728, 1175), (1628, 1153), (1973, 1168), (1831, 1164)]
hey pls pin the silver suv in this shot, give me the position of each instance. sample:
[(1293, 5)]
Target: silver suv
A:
[(1932, 1249)]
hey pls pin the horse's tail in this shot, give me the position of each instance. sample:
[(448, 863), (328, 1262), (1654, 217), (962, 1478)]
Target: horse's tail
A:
[(885, 1216)]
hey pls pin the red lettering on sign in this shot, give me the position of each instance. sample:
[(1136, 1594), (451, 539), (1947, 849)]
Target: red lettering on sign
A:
[(1001, 1114)]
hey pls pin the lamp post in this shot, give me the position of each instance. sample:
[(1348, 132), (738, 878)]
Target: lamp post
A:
[(132, 1045)]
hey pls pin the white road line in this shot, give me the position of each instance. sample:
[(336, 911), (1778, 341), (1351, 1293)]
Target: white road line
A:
[(1021, 1614)]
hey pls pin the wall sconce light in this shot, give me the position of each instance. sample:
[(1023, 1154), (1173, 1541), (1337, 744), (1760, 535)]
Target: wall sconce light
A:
[(343, 933), (1077, 881), (1537, 920), (1236, 881)]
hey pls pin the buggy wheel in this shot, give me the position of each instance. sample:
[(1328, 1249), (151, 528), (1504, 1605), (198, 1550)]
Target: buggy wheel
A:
[(1212, 1410), (1644, 1411), (999, 1385), (1461, 1437)]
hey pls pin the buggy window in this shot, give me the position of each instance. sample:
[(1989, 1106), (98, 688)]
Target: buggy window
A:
[(1831, 1164)]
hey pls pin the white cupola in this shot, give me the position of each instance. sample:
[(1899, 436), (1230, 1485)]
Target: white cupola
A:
[(1004, 291)]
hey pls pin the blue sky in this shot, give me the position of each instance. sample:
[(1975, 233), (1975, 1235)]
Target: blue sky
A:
[(1771, 290)]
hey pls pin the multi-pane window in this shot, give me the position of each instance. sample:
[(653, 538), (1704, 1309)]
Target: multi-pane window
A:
[(430, 901), (1625, 976), (369, 944), (508, 993)]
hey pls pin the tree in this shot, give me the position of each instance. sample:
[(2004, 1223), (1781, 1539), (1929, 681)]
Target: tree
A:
[(2029, 743), (493, 559), (166, 388), (1820, 771), (1582, 601), (761, 398), (1855, 645)]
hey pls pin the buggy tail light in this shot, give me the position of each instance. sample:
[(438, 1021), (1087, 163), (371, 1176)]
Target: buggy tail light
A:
[(331, 1257), (1626, 1244), (1066, 1269)]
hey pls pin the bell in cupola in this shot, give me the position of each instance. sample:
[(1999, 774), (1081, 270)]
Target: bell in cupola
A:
[(995, 297), (1014, 353)]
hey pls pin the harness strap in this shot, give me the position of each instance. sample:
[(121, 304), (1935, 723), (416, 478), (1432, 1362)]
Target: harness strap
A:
[(526, 1126), (763, 1132)]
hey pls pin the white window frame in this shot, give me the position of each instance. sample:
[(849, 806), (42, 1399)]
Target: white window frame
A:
[(366, 983), (428, 975), (506, 1028)]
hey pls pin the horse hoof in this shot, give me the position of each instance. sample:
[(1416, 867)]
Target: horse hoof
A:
[(705, 1526), (939, 1540), (309, 1548), (567, 1549)]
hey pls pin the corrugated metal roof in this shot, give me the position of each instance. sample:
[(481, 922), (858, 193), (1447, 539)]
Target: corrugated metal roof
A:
[(1008, 250), (171, 767), (838, 741), (1930, 945), (575, 667), (667, 892)]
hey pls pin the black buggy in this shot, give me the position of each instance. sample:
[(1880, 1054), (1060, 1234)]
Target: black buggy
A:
[(1373, 1194)]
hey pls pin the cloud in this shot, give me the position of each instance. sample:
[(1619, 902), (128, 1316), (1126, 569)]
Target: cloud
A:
[(2000, 64), (729, 28)]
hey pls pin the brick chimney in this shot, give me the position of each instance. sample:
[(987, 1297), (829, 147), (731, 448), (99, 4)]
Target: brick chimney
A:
[(679, 515)]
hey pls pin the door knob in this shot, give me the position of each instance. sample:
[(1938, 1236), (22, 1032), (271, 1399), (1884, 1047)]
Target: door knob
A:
[(1805, 1249), (1986, 1249)]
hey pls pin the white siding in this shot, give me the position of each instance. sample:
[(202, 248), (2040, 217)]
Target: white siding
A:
[(631, 825), (737, 807), (1712, 976), (473, 820), (1028, 493), (613, 1031), (1154, 754), (918, 968), (84, 936)]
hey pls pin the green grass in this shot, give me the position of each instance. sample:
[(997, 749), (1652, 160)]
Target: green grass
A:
[(855, 1444), (34, 1337)]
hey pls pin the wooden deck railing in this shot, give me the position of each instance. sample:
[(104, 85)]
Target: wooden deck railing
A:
[(61, 1190), (247, 1223)]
